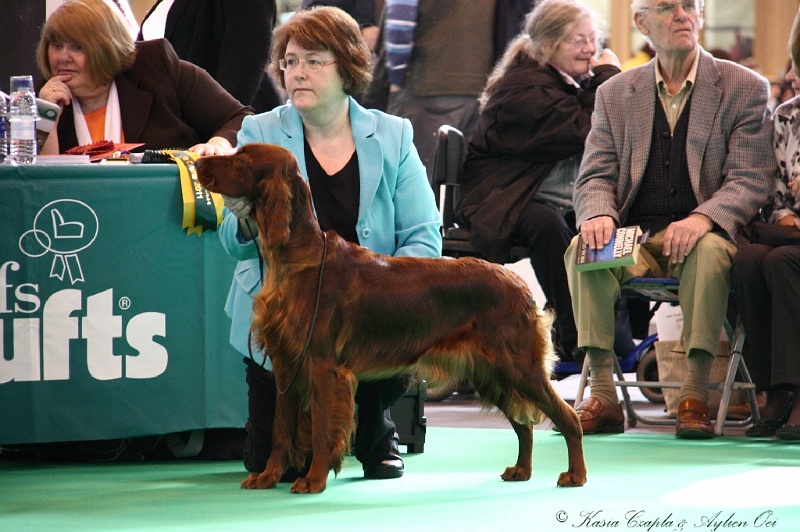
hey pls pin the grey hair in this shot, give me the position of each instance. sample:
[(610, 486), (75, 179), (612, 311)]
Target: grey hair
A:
[(638, 6), (549, 23)]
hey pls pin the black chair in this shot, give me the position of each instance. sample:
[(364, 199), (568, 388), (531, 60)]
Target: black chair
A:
[(448, 172)]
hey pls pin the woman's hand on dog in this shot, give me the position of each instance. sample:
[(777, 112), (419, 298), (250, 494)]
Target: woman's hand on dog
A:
[(214, 146), (242, 208)]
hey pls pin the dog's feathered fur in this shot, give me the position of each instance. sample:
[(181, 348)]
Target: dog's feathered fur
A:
[(380, 316)]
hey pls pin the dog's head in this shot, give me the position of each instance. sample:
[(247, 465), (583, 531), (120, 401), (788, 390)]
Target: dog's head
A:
[(265, 173)]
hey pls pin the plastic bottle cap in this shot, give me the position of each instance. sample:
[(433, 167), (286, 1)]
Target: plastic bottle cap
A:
[(21, 83)]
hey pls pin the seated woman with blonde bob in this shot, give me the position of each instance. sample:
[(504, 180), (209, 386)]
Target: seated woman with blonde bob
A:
[(111, 88)]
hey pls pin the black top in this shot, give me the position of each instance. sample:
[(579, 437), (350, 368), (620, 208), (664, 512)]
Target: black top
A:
[(335, 196), (665, 194)]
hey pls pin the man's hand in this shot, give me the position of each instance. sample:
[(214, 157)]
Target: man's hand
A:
[(681, 236), (597, 231), (790, 221)]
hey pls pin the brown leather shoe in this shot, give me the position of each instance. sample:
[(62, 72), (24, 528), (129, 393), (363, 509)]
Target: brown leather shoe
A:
[(596, 418), (694, 422)]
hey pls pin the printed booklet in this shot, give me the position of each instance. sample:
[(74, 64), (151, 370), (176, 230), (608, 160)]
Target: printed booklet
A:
[(623, 250)]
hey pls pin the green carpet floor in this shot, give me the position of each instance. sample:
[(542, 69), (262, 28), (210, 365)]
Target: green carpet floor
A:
[(641, 482)]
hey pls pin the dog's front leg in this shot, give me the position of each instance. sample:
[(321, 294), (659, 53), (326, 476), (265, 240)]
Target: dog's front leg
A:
[(332, 423), (282, 433)]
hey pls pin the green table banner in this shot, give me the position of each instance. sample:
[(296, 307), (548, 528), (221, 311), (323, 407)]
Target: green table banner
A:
[(111, 317)]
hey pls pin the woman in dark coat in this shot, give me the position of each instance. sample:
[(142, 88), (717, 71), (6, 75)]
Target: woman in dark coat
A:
[(524, 156)]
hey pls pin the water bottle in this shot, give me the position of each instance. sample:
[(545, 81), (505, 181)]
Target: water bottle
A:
[(3, 127), (22, 120)]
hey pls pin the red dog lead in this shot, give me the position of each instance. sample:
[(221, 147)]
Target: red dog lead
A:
[(377, 316)]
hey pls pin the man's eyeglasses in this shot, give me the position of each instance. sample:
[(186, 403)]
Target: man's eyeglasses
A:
[(311, 65), (670, 8)]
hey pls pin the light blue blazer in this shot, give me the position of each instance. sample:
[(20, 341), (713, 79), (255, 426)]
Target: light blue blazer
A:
[(397, 213)]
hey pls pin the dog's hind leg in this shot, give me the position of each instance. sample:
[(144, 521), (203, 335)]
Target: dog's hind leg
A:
[(332, 423), (495, 390), (524, 467), (540, 391)]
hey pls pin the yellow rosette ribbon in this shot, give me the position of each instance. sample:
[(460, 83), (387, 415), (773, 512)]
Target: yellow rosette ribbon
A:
[(202, 210)]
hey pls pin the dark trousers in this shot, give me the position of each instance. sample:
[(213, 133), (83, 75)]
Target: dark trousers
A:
[(375, 430), (766, 286), (547, 234)]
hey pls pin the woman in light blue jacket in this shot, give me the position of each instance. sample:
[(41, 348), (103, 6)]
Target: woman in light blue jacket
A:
[(367, 183)]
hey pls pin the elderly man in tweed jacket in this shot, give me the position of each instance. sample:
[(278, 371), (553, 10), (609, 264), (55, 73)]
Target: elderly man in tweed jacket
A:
[(680, 146)]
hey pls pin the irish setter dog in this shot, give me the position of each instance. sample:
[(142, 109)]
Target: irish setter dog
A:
[(331, 313)]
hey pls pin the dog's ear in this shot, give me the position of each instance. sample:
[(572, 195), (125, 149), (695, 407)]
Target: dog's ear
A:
[(278, 189)]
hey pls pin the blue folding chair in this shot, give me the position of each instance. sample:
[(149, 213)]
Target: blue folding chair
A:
[(665, 290)]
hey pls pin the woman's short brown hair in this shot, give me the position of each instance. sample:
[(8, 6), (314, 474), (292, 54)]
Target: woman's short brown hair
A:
[(99, 30), (326, 28)]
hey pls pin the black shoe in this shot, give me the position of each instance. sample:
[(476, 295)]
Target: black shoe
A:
[(255, 452), (391, 467), (788, 433), (768, 427), (261, 393)]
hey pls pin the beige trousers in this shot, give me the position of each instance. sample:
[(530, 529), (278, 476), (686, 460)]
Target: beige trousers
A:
[(703, 294)]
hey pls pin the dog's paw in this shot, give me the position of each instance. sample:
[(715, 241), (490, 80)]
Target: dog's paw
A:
[(569, 479), (258, 482), (516, 473), (306, 485)]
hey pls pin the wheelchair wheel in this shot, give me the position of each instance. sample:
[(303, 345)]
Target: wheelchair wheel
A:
[(647, 370)]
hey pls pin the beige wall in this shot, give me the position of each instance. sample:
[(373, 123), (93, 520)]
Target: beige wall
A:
[(140, 8), (773, 24)]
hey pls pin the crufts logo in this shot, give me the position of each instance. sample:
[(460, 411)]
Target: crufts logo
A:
[(62, 227), (41, 328)]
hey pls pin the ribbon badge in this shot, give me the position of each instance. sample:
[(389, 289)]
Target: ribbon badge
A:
[(63, 227), (202, 210)]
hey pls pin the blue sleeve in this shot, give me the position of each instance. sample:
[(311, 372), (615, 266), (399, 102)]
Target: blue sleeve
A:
[(418, 220), (231, 240)]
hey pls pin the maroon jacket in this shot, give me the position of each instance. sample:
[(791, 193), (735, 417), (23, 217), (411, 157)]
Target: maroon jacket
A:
[(167, 103)]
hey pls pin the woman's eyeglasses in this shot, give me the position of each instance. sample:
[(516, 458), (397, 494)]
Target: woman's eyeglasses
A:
[(582, 42), (310, 65)]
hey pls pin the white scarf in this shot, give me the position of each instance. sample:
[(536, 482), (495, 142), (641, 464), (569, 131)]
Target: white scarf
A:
[(113, 125)]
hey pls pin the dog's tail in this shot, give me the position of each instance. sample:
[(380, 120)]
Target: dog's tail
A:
[(509, 397)]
